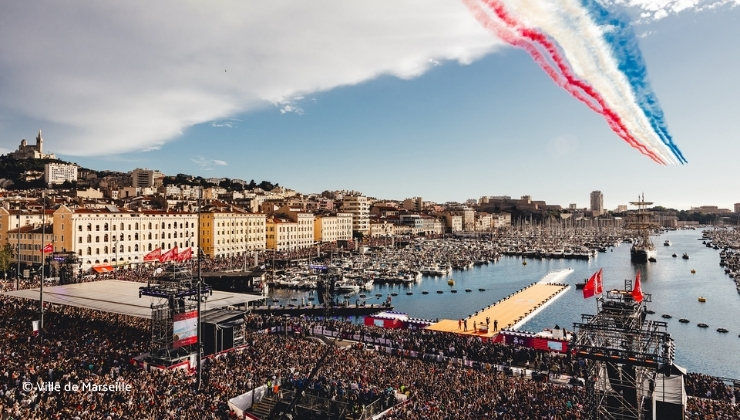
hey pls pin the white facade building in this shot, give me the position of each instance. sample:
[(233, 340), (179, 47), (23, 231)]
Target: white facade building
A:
[(58, 173)]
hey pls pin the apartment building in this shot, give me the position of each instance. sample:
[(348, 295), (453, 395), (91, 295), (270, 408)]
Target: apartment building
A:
[(359, 208), (59, 173), (231, 232), (111, 236), (13, 219), (332, 227)]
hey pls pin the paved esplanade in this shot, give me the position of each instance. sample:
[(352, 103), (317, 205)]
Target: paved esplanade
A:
[(513, 310)]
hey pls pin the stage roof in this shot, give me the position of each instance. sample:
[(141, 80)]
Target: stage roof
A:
[(120, 297)]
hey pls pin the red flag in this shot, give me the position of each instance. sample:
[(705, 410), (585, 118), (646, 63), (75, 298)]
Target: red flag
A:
[(154, 255), (185, 255), (589, 290), (599, 283), (48, 248), (637, 289), (169, 255)]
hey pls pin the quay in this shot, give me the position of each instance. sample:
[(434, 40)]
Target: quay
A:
[(318, 310), (512, 311)]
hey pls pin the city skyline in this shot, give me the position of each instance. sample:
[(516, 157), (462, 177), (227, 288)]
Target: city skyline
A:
[(428, 104)]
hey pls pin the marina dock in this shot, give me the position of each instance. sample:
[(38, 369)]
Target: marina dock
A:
[(511, 311)]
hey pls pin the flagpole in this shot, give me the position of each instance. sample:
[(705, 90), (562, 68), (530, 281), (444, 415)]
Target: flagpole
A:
[(198, 366), (43, 237)]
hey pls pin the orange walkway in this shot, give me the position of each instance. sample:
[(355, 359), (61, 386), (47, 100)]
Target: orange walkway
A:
[(508, 311)]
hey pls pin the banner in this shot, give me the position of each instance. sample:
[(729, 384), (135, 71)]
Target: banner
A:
[(154, 255), (48, 248), (35, 327), (184, 329), (186, 254), (169, 255)]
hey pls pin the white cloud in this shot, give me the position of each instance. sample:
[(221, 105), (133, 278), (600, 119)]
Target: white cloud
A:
[(652, 10), (111, 77), (208, 164), (290, 105)]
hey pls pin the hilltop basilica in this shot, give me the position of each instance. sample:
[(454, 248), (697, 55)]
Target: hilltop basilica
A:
[(26, 151)]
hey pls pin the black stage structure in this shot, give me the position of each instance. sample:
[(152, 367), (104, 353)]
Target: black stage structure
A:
[(629, 361), (178, 292)]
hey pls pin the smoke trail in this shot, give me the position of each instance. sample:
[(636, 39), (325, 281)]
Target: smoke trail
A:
[(580, 56), (624, 44), (506, 28)]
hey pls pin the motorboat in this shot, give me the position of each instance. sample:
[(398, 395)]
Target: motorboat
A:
[(722, 330), (702, 325), (667, 243), (666, 316), (683, 321), (702, 299), (685, 256)]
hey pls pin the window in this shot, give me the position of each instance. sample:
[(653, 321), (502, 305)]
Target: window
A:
[(97, 238), (89, 238), (89, 227), (79, 240), (105, 227), (105, 238), (97, 228), (79, 228), (105, 250), (89, 251)]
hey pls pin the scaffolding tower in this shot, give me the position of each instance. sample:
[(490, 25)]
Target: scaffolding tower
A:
[(623, 351), (177, 290)]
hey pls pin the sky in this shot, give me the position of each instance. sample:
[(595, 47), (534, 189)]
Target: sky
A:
[(395, 99)]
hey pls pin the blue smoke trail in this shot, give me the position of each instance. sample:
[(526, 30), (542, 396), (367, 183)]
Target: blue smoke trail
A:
[(624, 45)]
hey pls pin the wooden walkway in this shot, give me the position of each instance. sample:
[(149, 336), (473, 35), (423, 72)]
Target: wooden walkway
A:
[(508, 312)]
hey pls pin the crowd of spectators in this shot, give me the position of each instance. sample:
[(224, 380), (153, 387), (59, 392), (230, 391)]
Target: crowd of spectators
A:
[(83, 347)]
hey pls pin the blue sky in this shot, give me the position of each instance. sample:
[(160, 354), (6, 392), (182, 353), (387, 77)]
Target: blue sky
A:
[(341, 96)]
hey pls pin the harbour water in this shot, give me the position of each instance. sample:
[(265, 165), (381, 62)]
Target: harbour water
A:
[(675, 291)]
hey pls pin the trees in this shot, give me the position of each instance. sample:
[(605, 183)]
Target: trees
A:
[(6, 257)]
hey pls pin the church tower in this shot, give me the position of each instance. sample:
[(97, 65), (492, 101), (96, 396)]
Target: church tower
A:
[(39, 143)]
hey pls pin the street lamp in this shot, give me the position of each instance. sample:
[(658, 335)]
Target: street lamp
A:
[(115, 269), (18, 254)]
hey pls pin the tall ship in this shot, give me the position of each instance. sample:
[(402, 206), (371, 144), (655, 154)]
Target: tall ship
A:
[(641, 223)]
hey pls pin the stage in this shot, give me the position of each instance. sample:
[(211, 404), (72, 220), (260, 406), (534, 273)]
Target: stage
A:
[(120, 297)]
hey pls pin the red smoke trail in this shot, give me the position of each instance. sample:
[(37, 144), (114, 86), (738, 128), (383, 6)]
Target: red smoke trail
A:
[(563, 78)]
